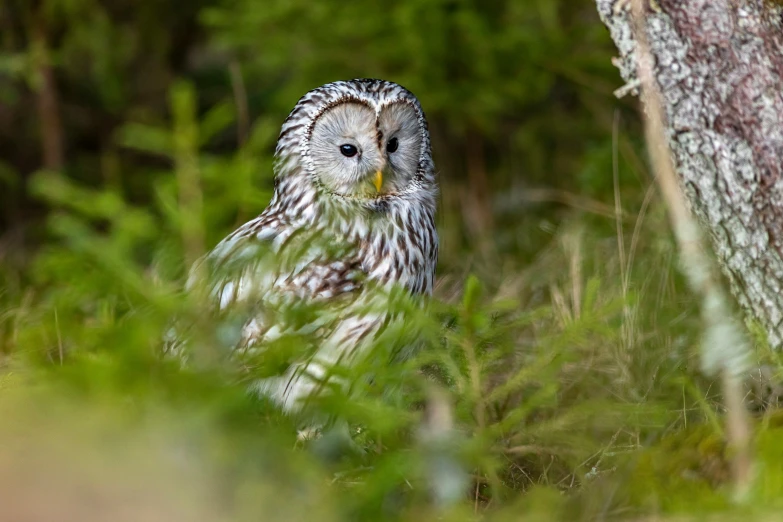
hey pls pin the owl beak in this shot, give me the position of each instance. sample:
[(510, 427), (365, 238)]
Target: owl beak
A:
[(377, 180)]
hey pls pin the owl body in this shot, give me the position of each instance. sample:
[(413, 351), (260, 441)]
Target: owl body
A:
[(352, 219)]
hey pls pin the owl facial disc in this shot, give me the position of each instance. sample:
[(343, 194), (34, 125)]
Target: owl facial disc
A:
[(365, 149)]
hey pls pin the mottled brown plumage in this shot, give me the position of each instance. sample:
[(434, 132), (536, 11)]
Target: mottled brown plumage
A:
[(330, 235)]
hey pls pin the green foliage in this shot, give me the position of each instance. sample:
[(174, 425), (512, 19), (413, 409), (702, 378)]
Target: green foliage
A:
[(534, 385), (554, 377)]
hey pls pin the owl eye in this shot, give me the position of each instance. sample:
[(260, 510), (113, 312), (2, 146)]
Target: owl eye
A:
[(349, 151), (392, 145)]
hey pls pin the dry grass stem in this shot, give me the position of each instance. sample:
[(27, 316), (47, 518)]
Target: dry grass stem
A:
[(724, 348)]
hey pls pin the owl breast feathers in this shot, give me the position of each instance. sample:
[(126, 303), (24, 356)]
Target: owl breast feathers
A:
[(351, 220)]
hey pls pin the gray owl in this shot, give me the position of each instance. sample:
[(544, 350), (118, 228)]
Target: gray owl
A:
[(351, 224)]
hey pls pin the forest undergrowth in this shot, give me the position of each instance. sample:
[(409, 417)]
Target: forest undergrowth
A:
[(566, 387), (558, 375)]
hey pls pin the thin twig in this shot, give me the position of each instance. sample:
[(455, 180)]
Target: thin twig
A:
[(545, 195), (240, 100), (59, 336)]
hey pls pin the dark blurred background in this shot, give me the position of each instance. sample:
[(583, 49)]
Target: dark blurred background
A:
[(518, 94)]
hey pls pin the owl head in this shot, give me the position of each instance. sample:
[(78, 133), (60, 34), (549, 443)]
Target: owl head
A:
[(362, 141)]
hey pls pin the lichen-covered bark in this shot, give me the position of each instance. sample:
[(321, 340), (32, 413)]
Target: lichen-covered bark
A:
[(719, 66)]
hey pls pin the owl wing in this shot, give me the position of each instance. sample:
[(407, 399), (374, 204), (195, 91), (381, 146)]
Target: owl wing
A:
[(241, 265), (269, 267), (270, 264)]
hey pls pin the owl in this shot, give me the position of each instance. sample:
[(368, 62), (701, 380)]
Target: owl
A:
[(350, 226)]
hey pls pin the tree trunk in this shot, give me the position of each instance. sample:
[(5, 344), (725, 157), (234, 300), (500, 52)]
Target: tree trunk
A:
[(719, 66)]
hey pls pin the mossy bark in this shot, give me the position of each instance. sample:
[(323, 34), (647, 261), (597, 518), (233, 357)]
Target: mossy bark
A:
[(719, 66)]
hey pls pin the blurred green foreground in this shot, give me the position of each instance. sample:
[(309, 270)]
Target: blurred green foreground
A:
[(559, 376)]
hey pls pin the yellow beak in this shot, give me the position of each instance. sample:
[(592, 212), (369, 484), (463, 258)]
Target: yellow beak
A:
[(378, 181)]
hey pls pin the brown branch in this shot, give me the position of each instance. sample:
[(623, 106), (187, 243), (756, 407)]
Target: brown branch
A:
[(478, 209), (47, 99)]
